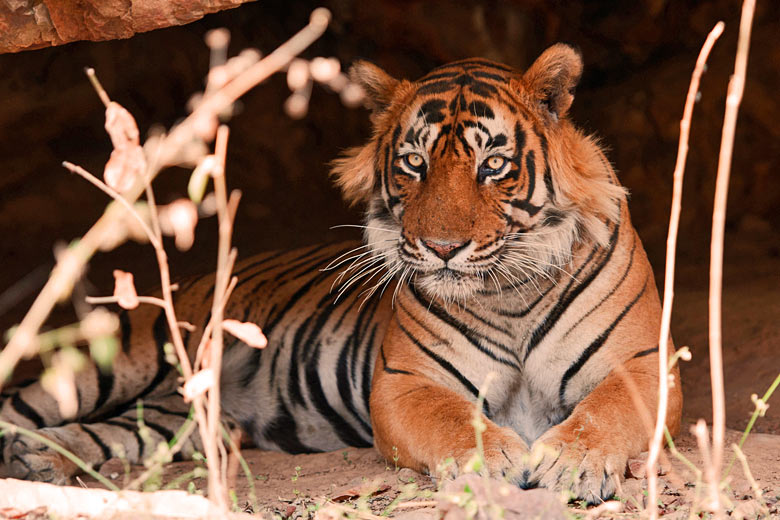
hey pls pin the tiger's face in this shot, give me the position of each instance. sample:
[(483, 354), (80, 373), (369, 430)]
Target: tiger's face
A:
[(462, 190)]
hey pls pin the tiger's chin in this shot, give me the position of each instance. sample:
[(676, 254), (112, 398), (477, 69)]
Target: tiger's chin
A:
[(449, 285)]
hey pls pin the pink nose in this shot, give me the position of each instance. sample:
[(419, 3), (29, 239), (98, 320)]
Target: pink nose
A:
[(444, 249)]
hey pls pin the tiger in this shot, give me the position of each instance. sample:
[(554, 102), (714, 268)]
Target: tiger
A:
[(497, 245)]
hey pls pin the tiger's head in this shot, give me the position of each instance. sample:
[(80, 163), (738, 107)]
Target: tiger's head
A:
[(475, 177)]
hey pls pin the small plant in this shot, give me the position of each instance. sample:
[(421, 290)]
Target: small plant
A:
[(396, 457)]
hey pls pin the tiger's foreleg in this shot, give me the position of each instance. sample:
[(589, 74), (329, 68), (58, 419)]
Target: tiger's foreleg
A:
[(134, 435), (419, 420), (587, 453)]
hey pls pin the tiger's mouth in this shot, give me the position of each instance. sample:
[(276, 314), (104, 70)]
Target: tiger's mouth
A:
[(449, 284)]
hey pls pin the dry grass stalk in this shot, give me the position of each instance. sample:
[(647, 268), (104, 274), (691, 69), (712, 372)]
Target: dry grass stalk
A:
[(733, 99), (656, 443), (212, 428)]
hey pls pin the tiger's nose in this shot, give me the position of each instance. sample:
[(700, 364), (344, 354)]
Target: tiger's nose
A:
[(445, 249)]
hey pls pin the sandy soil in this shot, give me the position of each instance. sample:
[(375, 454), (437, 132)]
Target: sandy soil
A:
[(294, 486)]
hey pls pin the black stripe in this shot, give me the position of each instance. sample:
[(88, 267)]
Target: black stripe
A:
[(306, 264), (610, 293), (341, 427), (473, 337), (387, 368), (570, 294), (488, 75), (105, 386), (132, 428), (643, 353), (160, 332), (96, 439), (548, 182), (164, 432), (125, 328), (160, 409), (595, 346), (526, 204), (440, 75), (524, 312), (253, 363), (489, 323), (24, 409), (306, 336), (345, 383), (368, 370), (481, 62), (168, 435), (282, 430), (446, 365), (437, 339)]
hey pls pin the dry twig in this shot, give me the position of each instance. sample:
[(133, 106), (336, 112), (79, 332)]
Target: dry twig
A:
[(671, 248), (733, 99)]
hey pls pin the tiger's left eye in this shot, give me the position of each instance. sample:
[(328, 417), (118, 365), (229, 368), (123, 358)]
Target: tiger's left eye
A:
[(414, 161), (490, 167), (495, 163)]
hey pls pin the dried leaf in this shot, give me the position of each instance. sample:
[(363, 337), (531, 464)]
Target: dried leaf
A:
[(121, 126), (297, 74), (127, 160), (324, 69), (247, 332), (205, 126), (199, 384), (60, 382), (133, 228), (98, 323), (114, 235), (124, 290), (352, 95), (179, 219), (297, 105), (123, 168), (359, 488)]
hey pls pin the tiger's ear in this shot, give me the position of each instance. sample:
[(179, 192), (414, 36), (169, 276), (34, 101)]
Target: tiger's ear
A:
[(552, 78), (354, 173), (378, 85)]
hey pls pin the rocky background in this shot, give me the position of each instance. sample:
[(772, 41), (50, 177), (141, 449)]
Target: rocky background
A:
[(639, 56)]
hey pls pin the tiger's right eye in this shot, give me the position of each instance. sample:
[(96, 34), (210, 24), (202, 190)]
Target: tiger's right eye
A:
[(414, 161)]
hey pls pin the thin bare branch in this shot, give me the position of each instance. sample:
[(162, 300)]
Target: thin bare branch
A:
[(733, 99), (656, 443)]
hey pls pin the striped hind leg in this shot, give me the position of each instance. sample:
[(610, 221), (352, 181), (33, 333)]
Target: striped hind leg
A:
[(134, 435)]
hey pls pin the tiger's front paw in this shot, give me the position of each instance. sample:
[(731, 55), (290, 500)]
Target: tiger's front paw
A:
[(586, 470), (503, 452), (29, 459)]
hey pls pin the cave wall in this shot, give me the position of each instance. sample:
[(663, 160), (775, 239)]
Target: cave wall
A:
[(638, 55)]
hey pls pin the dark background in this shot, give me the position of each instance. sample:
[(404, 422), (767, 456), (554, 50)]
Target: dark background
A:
[(638, 56)]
